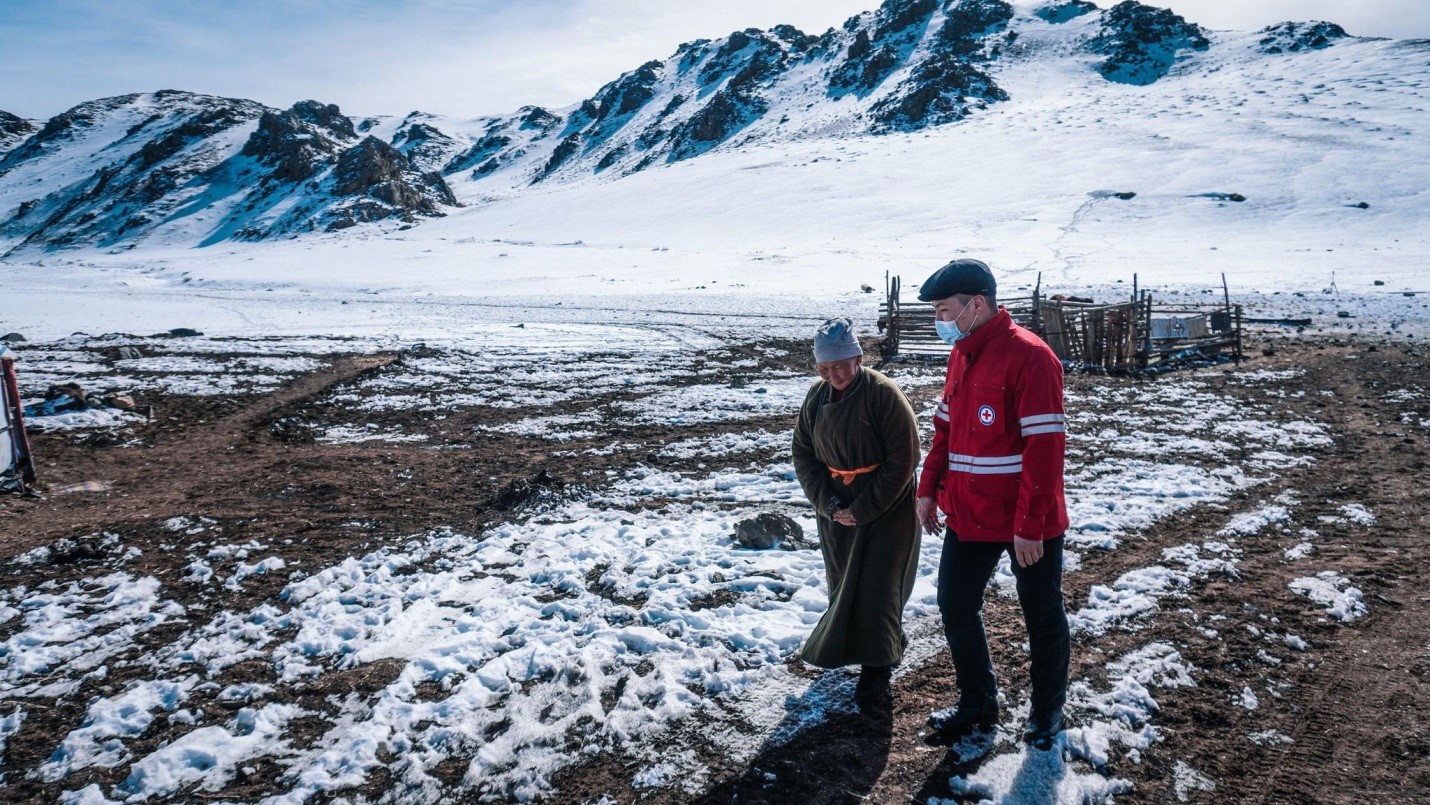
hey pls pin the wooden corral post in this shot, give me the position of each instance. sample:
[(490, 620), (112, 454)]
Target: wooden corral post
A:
[(1037, 308), (1147, 320), (1238, 335)]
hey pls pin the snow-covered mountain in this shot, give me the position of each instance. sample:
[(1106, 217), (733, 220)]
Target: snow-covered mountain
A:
[(176, 168)]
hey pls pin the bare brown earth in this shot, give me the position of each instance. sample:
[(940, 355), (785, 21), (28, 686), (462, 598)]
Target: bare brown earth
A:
[(1355, 705)]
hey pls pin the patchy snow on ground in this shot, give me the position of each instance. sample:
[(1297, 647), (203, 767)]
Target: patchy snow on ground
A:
[(1187, 780), (88, 419), (610, 620), (1332, 591)]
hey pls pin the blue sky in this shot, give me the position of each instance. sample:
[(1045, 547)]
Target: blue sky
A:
[(454, 57)]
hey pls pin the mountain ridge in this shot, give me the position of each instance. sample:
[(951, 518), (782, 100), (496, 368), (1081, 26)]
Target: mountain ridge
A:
[(205, 170)]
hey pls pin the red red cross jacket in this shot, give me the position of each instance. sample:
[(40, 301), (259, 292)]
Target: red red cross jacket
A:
[(996, 465)]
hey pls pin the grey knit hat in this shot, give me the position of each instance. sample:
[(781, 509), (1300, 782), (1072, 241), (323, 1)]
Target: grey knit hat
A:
[(835, 341)]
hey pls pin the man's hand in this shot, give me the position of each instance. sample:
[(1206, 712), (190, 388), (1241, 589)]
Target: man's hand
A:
[(843, 517), (1028, 551), (928, 515)]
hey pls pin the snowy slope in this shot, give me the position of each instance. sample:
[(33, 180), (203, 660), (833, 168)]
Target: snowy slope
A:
[(198, 169), (1319, 135)]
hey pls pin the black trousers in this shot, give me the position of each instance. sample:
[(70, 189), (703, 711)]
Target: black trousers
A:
[(963, 574)]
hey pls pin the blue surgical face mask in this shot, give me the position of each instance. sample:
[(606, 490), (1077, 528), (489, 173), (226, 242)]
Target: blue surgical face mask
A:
[(949, 331)]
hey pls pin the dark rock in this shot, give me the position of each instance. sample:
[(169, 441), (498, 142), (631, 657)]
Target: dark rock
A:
[(526, 491), (62, 127), (12, 338), (612, 157), (534, 117), (1361, 205), (717, 119), (374, 168), (765, 531), (184, 332), (1142, 43), (947, 83), (292, 146), (1059, 13), (68, 551), (426, 147), (1290, 37), (206, 123), (897, 16), (293, 429), (1126, 195), (566, 149), (628, 93), (13, 129), (326, 116)]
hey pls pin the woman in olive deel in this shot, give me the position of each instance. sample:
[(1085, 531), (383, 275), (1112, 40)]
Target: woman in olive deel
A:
[(855, 448)]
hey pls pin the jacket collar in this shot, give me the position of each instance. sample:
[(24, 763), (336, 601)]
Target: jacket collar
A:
[(973, 343)]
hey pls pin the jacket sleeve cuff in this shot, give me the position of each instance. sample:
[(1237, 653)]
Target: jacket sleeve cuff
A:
[(1028, 529)]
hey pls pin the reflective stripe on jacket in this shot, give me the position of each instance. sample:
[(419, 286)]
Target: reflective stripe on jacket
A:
[(996, 465)]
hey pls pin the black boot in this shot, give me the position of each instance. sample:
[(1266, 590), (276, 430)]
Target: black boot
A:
[(956, 723), (873, 687), (1042, 728)]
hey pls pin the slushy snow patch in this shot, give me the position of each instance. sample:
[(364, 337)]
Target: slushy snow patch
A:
[(208, 755), (1186, 780), (1358, 514), (99, 740), (1333, 591)]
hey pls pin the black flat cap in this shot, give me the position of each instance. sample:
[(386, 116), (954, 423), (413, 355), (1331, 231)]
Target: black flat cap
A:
[(962, 276)]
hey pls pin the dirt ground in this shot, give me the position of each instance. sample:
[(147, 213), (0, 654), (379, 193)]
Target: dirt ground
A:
[(1355, 707)]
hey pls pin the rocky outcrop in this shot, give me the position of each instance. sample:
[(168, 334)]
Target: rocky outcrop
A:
[(1066, 11), (1142, 43), (60, 128), (427, 147), (1292, 37), (879, 45), (505, 141), (299, 142), (13, 130), (948, 83), (387, 186)]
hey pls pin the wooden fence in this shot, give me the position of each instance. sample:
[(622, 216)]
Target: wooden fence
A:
[(1128, 337)]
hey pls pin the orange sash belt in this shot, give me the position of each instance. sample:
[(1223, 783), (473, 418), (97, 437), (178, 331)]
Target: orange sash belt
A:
[(848, 476)]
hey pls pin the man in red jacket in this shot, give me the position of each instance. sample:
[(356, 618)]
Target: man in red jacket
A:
[(996, 472)]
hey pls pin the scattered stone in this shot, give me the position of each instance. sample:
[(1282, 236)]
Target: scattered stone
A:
[(1290, 37), (1142, 43), (293, 429), (1059, 13), (765, 531), (128, 353), (1380, 282)]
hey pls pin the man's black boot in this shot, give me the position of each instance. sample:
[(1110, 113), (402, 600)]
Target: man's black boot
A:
[(1042, 728), (956, 723), (873, 687)]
